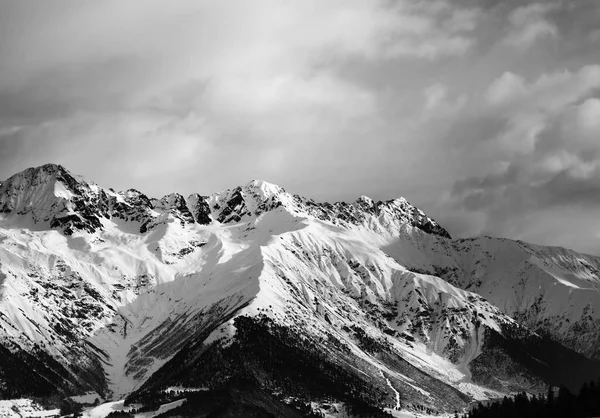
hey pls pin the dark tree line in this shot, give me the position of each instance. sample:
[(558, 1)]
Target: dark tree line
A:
[(265, 358), (559, 403)]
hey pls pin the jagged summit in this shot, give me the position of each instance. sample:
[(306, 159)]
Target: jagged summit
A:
[(42, 174), (365, 200), (48, 168), (51, 194)]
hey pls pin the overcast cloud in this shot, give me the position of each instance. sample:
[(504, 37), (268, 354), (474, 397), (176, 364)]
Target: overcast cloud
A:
[(486, 114)]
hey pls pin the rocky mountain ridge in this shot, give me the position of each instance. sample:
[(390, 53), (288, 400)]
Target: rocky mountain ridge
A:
[(51, 194)]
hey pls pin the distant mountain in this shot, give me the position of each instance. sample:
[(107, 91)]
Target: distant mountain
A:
[(552, 290), (269, 301)]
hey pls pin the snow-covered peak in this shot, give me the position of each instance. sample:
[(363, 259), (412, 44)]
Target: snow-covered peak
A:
[(40, 177), (264, 189), (176, 205), (365, 200), (133, 194), (46, 169), (400, 210), (45, 193), (247, 202), (51, 195)]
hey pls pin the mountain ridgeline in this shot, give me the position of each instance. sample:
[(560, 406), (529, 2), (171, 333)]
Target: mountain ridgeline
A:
[(254, 299)]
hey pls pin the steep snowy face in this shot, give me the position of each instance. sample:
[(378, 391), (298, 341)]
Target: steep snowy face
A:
[(321, 282), (111, 307), (346, 283)]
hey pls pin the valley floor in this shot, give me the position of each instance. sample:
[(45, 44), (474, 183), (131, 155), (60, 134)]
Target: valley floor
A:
[(27, 408)]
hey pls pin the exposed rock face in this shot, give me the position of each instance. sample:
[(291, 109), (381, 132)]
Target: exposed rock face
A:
[(200, 209)]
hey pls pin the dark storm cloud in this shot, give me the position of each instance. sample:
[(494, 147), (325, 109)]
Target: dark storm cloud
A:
[(480, 112), (251, 82), (515, 191), (553, 158)]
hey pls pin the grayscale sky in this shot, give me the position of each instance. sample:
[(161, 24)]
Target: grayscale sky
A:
[(486, 113)]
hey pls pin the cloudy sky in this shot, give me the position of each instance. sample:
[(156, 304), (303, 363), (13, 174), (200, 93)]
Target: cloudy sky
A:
[(485, 113)]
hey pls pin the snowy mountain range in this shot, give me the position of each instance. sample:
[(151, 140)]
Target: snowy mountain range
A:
[(274, 296)]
